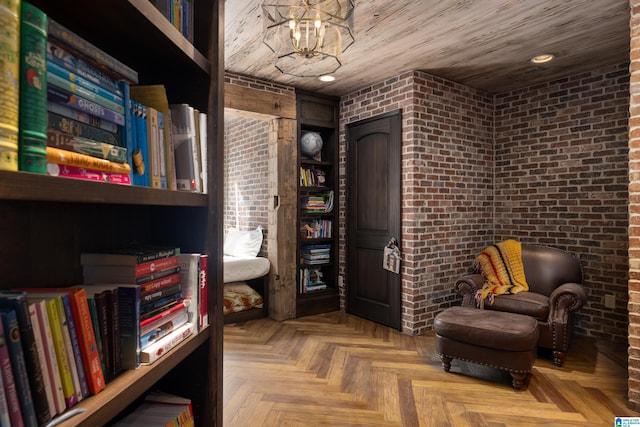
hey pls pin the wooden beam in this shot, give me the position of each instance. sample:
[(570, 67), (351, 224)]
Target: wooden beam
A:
[(258, 101)]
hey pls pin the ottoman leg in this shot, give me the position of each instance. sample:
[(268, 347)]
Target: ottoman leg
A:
[(446, 362), (518, 380)]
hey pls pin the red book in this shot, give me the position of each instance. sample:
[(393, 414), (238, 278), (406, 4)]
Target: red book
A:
[(125, 273), (162, 283), (204, 285)]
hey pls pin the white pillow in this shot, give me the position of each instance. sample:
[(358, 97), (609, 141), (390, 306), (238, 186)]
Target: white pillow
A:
[(243, 244)]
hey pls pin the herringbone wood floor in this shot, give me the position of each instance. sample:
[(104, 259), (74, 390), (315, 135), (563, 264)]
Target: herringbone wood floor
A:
[(340, 370)]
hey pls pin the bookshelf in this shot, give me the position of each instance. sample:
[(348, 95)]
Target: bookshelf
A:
[(48, 221), (317, 243)]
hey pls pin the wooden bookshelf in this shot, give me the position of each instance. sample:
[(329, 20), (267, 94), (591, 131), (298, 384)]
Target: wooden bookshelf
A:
[(47, 222)]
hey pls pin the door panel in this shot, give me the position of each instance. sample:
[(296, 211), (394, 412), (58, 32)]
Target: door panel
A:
[(373, 217)]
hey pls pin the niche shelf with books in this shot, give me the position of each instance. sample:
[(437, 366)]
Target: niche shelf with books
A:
[(48, 222), (317, 246)]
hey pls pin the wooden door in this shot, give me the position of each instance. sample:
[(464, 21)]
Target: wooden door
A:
[(373, 216)]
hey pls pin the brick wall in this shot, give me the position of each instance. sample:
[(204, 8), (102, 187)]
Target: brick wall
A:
[(447, 184), (561, 159), (245, 174), (634, 210)]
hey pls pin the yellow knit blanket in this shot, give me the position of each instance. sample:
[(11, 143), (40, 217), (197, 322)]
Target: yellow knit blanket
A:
[(501, 266)]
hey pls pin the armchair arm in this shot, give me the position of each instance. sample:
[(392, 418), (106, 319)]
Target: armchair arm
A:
[(467, 286), (563, 300)]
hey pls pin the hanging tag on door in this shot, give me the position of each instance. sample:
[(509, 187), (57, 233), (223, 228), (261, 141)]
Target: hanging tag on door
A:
[(391, 257)]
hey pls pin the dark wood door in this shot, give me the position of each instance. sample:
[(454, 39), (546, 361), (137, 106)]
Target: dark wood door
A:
[(373, 216)]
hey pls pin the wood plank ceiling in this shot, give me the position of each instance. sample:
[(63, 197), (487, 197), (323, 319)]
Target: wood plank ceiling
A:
[(483, 44)]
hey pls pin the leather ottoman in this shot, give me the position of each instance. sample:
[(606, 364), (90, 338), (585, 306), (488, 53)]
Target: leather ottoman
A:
[(497, 339)]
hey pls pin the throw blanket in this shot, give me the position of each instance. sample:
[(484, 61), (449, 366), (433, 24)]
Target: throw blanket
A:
[(501, 266)]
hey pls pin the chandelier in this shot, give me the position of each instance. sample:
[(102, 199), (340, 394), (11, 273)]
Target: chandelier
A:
[(307, 36)]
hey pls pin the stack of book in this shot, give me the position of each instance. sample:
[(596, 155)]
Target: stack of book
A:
[(160, 409), (321, 202), (180, 13), (87, 104), (312, 177), (316, 254), (311, 280)]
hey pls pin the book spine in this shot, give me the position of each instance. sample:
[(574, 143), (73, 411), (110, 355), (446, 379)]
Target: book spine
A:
[(161, 309), (87, 84), (9, 84), (116, 345), (127, 131), (75, 345), (178, 310), (61, 353), (8, 381), (160, 303), (92, 52), (50, 355), (105, 322), (37, 327), (159, 294), (65, 171), (203, 304), (160, 284), (158, 349), (18, 365), (87, 341), (82, 117), (189, 271), (64, 97), (183, 137), (59, 82), (5, 420), (153, 147), (129, 312), (100, 150), (57, 54), (33, 90), (67, 126), (70, 158), (162, 330), (95, 324), (156, 265), (142, 145), (18, 302), (66, 336), (161, 151)]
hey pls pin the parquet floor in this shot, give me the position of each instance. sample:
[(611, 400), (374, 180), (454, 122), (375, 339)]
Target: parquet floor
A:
[(340, 370)]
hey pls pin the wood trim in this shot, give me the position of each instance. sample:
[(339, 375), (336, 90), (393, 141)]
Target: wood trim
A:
[(259, 101)]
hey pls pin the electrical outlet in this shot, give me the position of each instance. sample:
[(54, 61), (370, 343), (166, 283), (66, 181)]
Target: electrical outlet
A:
[(610, 301)]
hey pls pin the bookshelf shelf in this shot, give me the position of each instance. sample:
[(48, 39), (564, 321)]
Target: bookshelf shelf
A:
[(49, 221), (317, 114)]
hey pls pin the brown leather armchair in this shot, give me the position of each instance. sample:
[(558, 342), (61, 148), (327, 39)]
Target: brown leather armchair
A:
[(555, 291)]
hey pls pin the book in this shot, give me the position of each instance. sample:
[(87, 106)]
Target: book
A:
[(162, 330), (67, 126), (78, 144), (50, 354), (203, 303), (17, 301), (5, 420), (153, 147), (76, 102), (33, 90), (158, 349), (190, 273), (131, 255), (18, 365), (69, 86), (161, 151), (161, 284), (149, 300), (71, 158), (74, 172), (91, 53), (147, 325), (129, 323), (203, 152), (159, 408), (37, 327), (71, 345), (64, 366), (87, 84), (183, 135), (8, 382), (82, 117), (91, 302), (155, 96), (9, 84), (61, 56), (106, 316), (126, 273), (140, 145)]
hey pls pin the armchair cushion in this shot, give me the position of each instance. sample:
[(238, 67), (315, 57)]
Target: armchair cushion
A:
[(529, 303)]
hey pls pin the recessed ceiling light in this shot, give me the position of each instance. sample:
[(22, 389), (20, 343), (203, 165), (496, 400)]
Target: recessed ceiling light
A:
[(326, 78), (541, 59)]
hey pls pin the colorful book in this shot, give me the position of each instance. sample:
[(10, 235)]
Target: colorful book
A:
[(71, 158), (153, 147), (82, 117), (74, 172), (161, 151), (162, 330), (203, 303), (87, 84), (126, 273), (8, 382), (79, 103), (66, 324), (141, 144), (33, 90), (91, 53), (71, 127), (17, 301), (9, 84), (5, 420), (190, 272), (160, 284), (105, 297), (50, 354), (172, 313), (155, 96), (18, 365), (78, 144), (161, 347), (60, 82), (68, 388), (132, 255), (37, 328)]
